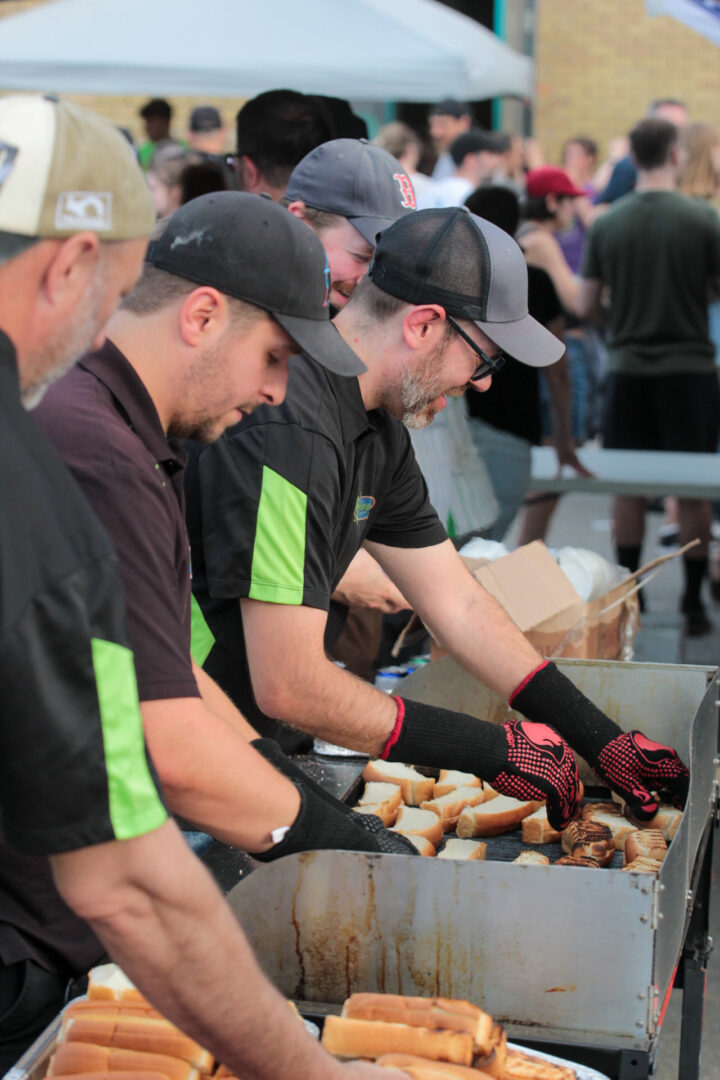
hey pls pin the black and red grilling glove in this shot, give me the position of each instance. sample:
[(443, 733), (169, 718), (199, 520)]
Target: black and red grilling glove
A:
[(628, 762), (519, 758)]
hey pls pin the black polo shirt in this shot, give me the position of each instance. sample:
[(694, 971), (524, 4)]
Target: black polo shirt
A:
[(73, 769), (105, 427), (279, 506)]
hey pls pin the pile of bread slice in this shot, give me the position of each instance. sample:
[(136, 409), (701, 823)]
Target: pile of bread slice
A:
[(431, 1039), (116, 1034), (426, 810)]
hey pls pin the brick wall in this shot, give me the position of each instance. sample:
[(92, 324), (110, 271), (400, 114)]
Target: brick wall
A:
[(123, 109), (600, 63)]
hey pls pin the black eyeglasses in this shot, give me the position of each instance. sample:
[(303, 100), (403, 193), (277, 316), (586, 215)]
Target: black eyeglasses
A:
[(490, 364)]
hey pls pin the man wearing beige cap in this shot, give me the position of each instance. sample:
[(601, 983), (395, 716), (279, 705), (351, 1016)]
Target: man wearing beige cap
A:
[(75, 782)]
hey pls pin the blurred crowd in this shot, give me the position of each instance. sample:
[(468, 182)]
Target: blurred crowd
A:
[(483, 442)]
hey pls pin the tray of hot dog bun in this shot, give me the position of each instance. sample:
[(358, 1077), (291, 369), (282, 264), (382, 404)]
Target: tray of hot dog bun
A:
[(115, 1034)]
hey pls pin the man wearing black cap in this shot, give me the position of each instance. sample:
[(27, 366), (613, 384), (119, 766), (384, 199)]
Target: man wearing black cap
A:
[(475, 156), (283, 503), (206, 132), (446, 121)]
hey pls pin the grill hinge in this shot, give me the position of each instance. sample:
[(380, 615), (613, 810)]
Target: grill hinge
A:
[(655, 912), (652, 1009)]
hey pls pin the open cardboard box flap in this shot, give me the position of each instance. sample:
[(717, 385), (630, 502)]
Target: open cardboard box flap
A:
[(539, 598), (530, 586)]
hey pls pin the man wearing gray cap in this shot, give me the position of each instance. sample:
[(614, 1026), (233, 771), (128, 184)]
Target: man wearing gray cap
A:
[(285, 501), (348, 192), (75, 782)]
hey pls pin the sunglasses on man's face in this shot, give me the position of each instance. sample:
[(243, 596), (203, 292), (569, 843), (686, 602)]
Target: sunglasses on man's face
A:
[(490, 364)]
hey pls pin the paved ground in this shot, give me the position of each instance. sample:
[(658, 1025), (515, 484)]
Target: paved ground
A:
[(582, 520)]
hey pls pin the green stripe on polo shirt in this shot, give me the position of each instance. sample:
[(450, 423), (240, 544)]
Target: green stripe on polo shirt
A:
[(202, 638), (278, 564), (135, 805)]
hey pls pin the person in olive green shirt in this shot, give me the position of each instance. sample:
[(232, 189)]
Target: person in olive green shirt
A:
[(658, 254)]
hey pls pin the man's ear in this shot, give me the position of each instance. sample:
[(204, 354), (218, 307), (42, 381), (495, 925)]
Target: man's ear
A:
[(250, 175), (202, 317), (71, 268), (298, 209), (423, 325)]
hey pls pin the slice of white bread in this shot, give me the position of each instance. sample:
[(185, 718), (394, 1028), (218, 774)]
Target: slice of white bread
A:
[(387, 797), (435, 1013), (450, 779), (381, 810), (463, 849), (667, 820), (415, 787), (424, 847), (646, 844), (502, 814), (415, 822), (371, 1039), (532, 858), (107, 982), (610, 814), (643, 865), (536, 829), (449, 807)]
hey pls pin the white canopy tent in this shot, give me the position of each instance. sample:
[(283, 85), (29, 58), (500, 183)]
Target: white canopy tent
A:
[(417, 50)]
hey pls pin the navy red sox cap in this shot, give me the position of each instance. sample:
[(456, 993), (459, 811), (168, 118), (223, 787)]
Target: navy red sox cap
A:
[(355, 180), (248, 247)]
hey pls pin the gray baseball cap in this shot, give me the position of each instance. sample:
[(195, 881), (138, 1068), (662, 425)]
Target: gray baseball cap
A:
[(360, 182), (473, 269)]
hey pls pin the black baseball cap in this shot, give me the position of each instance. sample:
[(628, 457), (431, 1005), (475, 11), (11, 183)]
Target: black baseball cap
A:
[(250, 248), (470, 267), (360, 182), (450, 107), (205, 118)]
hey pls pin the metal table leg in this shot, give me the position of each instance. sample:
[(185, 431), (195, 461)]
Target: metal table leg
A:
[(693, 972)]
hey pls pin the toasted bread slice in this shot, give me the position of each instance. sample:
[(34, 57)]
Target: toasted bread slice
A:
[(416, 822), (536, 829), (450, 779), (449, 807), (501, 814), (463, 849), (415, 787)]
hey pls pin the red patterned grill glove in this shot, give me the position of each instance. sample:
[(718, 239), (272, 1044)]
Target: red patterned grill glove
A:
[(629, 762), (519, 758), (632, 761)]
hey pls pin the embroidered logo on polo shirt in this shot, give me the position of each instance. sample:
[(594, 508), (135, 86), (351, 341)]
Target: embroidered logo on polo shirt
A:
[(363, 506)]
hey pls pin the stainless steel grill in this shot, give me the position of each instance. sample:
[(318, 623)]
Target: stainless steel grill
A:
[(569, 955)]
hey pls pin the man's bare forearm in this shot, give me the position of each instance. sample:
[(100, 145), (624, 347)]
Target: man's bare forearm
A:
[(162, 919), (213, 777), (218, 702)]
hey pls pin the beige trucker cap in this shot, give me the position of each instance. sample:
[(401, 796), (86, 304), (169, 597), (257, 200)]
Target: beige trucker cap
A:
[(63, 170)]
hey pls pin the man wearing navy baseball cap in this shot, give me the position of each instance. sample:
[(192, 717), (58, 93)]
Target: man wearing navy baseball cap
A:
[(349, 192), (282, 505)]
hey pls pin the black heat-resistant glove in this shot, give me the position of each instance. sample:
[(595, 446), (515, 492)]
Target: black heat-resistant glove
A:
[(325, 822), (521, 759), (628, 762)]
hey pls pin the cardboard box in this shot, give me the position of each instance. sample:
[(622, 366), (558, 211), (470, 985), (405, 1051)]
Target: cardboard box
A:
[(541, 601)]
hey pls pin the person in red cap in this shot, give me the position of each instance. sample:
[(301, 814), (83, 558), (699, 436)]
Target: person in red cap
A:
[(550, 208)]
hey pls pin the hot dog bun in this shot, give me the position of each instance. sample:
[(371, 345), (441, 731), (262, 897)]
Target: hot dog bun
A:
[(501, 814), (434, 1013), (451, 779), (449, 807), (369, 1039), (415, 787), (143, 1034), (108, 983), (420, 1068), (79, 1057)]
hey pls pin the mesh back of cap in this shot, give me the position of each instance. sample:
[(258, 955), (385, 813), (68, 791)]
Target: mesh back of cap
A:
[(435, 257)]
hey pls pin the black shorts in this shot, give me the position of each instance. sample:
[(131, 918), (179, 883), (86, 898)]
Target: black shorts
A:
[(662, 412)]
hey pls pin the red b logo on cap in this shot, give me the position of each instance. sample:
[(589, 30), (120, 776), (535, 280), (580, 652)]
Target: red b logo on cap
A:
[(406, 190)]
